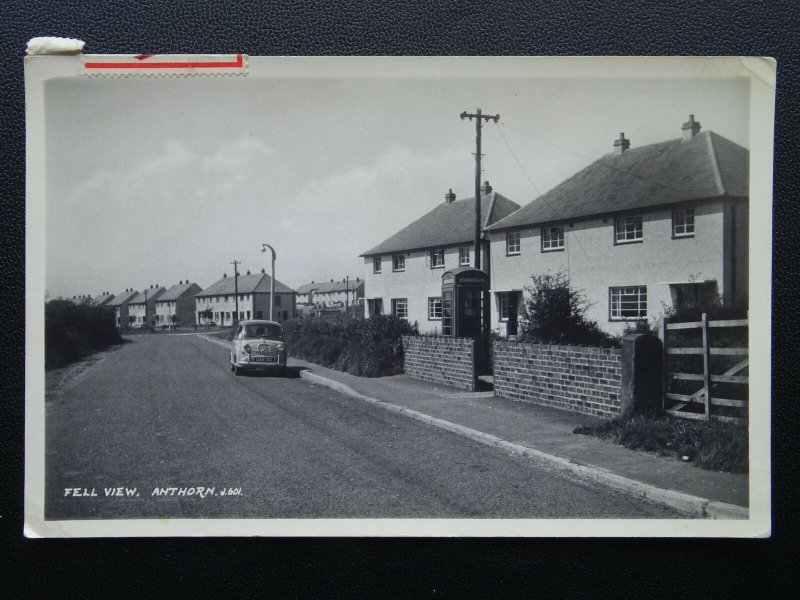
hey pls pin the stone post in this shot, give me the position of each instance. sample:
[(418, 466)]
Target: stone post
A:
[(642, 375)]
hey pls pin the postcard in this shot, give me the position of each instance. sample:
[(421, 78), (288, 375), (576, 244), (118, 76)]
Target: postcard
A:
[(394, 296)]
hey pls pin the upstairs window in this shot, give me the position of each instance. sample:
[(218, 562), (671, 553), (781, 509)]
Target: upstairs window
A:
[(683, 222), (628, 229), (376, 264), (512, 243), (437, 258), (399, 262), (463, 256), (628, 302), (552, 238)]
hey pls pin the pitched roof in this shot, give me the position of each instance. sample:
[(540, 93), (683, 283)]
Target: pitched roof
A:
[(123, 297), (148, 294), (103, 299), (447, 224), (322, 287), (248, 284), (178, 290), (705, 166)]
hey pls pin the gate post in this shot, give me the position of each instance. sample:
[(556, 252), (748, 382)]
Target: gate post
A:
[(642, 375)]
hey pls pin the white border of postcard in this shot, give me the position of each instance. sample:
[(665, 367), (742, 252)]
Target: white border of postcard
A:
[(760, 71)]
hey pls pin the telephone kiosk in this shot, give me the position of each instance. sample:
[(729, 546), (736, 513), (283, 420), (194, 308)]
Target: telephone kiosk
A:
[(465, 308)]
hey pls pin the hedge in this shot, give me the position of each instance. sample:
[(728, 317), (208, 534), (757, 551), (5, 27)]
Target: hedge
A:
[(368, 347), (72, 331)]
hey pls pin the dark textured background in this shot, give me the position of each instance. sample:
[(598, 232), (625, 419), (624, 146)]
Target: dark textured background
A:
[(570, 568)]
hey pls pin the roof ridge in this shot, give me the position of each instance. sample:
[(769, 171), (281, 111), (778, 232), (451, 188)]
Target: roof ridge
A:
[(490, 211)]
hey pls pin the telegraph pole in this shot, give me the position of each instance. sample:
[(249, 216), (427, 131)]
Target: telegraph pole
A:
[(236, 264), (479, 119)]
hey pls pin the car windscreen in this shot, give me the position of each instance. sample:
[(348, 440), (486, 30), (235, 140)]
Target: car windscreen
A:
[(272, 332)]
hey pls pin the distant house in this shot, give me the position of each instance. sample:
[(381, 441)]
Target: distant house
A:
[(103, 299), (142, 309), (217, 302), (330, 295), (120, 305), (176, 306), (403, 274), (83, 299), (638, 230)]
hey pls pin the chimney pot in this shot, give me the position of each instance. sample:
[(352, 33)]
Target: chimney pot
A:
[(621, 144), (248, 271), (449, 197), (691, 128), (486, 189), (224, 275), (262, 270)]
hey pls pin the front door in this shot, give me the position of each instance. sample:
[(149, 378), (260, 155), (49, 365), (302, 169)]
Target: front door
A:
[(513, 313)]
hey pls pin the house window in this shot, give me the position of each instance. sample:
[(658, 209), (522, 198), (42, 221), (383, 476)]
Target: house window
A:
[(552, 238), (434, 308), (399, 262), (376, 264), (683, 222), (628, 302), (512, 243), (375, 306), (248, 314), (400, 307), (277, 300), (463, 256), (259, 314), (437, 258), (628, 229)]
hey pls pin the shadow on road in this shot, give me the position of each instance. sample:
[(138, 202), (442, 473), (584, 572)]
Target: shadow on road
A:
[(289, 373)]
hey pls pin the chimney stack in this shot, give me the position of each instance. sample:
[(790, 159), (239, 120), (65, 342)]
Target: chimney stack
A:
[(224, 275), (449, 197), (621, 144), (486, 189), (248, 271), (691, 128)]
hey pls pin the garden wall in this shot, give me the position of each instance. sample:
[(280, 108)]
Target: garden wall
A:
[(441, 360), (578, 378)]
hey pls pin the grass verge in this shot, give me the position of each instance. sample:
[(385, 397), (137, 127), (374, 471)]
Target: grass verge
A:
[(713, 445)]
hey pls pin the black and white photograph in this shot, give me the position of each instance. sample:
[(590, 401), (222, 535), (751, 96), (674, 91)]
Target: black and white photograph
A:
[(331, 296)]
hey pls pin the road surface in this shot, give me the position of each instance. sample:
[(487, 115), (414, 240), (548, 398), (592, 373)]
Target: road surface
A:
[(159, 427)]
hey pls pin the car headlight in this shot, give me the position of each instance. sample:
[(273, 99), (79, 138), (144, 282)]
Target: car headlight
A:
[(247, 348), (280, 347)]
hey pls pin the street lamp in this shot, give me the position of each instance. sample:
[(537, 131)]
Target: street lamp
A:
[(272, 283)]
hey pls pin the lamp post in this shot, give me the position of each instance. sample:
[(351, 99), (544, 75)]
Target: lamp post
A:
[(272, 282)]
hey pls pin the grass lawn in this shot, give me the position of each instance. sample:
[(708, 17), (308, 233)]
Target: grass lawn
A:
[(713, 445)]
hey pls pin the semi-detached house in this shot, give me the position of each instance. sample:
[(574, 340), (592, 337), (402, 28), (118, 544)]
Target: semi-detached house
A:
[(639, 231), (120, 305), (403, 274), (176, 305), (142, 308), (218, 303)]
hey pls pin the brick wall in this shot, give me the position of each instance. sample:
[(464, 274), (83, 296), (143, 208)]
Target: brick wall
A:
[(442, 360), (577, 378)]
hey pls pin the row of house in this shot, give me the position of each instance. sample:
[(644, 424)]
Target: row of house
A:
[(639, 231), (331, 296), (186, 303)]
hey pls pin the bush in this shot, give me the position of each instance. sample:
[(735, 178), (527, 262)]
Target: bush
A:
[(72, 331), (554, 313), (368, 347)]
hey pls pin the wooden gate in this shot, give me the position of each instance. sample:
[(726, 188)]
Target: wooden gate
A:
[(723, 392)]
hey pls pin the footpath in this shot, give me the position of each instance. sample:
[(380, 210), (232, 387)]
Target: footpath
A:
[(546, 435)]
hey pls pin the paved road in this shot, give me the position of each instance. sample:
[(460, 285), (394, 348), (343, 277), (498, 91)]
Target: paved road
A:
[(164, 411)]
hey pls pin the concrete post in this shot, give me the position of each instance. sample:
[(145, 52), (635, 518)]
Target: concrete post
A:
[(642, 375)]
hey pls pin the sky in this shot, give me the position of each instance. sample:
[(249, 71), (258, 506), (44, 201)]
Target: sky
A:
[(152, 181)]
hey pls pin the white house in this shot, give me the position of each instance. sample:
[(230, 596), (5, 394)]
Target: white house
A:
[(142, 308), (403, 274), (330, 295), (639, 230), (218, 303), (120, 305), (176, 306)]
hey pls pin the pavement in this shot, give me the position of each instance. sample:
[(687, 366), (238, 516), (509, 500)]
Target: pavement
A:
[(545, 434)]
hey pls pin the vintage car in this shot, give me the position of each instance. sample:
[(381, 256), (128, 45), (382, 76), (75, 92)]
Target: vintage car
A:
[(258, 345)]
